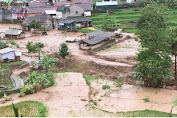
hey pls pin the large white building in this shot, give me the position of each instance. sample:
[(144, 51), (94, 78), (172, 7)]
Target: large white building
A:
[(110, 4)]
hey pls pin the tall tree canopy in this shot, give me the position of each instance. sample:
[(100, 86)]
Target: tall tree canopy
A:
[(154, 61)]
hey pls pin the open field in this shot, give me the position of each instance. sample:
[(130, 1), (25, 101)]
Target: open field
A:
[(127, 19), (25, 109)]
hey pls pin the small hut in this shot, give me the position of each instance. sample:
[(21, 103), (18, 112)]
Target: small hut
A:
[(14, 33)]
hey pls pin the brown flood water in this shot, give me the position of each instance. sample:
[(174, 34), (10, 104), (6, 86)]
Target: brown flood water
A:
[(129, 98)]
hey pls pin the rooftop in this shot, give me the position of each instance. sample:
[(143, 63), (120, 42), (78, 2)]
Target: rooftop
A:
[(40, 18), (13, 31), (97, 37), (85, 6), (6, 50), (79, 18)]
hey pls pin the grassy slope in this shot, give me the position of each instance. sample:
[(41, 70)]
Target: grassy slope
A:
[(127, 19), (139, 113), (26, 109)]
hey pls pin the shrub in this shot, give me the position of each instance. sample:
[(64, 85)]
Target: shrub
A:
[(146, 99), (128, 37), (106, 87), (119, 82), (29, 91)]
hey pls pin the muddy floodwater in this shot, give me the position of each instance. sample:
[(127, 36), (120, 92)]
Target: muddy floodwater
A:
[(130, 98)]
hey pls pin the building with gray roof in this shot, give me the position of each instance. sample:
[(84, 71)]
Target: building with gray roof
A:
[(95, 39), (14, 33)]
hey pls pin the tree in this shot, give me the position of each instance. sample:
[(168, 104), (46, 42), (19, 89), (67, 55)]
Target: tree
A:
[(63, 52), (154, 61), (174, 49), (35, 25), (47, 62), (109, 23), (33, 48)]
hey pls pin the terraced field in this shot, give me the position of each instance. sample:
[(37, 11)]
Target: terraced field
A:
[(25, 109), (127, 19)]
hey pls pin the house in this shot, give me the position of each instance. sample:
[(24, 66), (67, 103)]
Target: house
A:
[(68, 25), (106, 4), (81, 21), (64, 11), (14, 33), (43, 19), (72, 22), (21, 3), (7, 54), (87, 8), (18, 12), (71, 16), (5, 14), (110, 4), (94, 40)]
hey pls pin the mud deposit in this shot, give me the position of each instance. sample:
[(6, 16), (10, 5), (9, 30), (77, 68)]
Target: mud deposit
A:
[(130, 98)]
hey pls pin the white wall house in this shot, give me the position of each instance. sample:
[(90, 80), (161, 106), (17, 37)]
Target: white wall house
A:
[(7, 53), (110, 4), (10, 54), (106, 2)]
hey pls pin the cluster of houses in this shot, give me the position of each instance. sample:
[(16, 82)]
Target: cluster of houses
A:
[(55, 9), (51, 14)]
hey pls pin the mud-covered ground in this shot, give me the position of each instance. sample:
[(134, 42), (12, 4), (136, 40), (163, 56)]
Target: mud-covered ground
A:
[(71, 96)]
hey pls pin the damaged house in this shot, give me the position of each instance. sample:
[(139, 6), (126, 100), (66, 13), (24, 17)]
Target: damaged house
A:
[(95, 39)]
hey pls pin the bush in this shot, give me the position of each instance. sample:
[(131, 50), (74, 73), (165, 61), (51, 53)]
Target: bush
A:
[(37, 81), (146, 99), (29, 91), (106, 87), (118, 82), (128, 37)]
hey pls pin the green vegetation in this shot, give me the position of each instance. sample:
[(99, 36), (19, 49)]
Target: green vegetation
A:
[(104, 87), (33, 48), (145, 113), (140, 113), (37, 81), (85, 30), (8, 43), (25, 109), (63, 52), (4, 76), (119, 82), (89, 78), (154, 61), (146, 99), (6, 97), (35, 25), (109, 23), (47, 62), (127, 19)]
